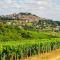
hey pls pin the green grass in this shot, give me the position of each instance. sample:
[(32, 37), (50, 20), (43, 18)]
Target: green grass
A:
[(29, 47), (23, 43), (14, 33)]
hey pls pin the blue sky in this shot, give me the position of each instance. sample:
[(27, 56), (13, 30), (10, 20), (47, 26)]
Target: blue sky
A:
[(43, 8)]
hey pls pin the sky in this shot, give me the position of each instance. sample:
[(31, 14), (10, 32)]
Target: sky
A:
[(43, 8)]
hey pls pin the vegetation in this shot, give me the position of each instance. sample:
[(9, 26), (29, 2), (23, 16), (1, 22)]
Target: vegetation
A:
[(29, 21), (13, 33), (16, 43), (27, 48), (20, 39)]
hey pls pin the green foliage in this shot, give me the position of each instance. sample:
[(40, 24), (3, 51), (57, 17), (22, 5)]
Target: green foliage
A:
[(13, 33), (28, 40), (29, 47), (23, 43)]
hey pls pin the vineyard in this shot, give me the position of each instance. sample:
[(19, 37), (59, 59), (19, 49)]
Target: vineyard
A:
[(29, 29), (14, 50), (16, 43)]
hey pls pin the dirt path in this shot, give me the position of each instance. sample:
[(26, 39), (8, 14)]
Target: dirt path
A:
[(54, 55)]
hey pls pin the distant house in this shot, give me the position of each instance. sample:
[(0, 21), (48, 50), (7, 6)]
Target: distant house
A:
[(29, 18)]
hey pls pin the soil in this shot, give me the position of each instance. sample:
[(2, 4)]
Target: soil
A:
[(54, 55)]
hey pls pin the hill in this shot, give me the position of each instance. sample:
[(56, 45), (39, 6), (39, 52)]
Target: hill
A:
[(30, 21), (23, 35)]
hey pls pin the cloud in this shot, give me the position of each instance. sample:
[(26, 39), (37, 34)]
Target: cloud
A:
[(43, 8)]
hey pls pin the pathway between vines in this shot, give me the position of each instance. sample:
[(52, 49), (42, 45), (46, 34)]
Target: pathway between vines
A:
[(54, 55)]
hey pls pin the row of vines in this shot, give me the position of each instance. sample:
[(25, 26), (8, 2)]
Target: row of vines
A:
[(16, 50)]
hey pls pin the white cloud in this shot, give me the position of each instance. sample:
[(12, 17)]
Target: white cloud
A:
[(44, 8)]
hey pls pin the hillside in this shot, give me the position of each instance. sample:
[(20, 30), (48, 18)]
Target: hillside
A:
[(24, 35), (30, 21)]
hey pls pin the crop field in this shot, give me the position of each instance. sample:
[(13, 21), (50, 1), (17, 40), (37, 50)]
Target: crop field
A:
[(22, 49), (16, 43)]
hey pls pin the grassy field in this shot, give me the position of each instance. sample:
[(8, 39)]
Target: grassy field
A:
[(16, 43), (26, 48)]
